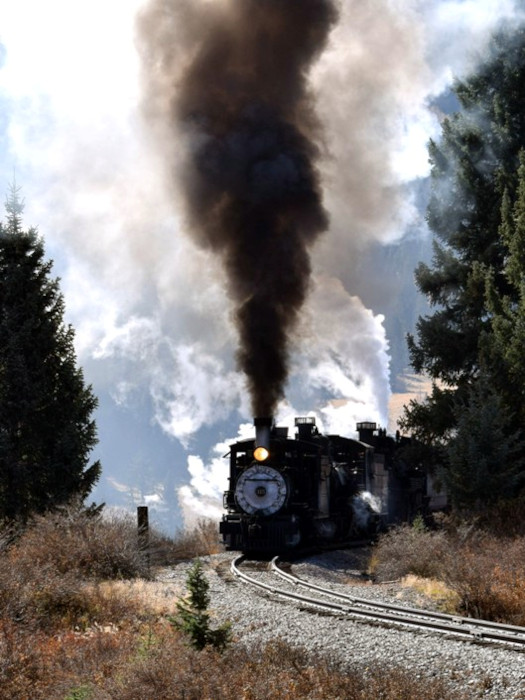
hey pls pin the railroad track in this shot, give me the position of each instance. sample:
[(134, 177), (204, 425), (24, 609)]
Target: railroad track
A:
[(481, 631)]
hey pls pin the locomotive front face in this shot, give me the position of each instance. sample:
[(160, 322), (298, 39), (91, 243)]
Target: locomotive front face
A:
[(261, 490), (260, 496)]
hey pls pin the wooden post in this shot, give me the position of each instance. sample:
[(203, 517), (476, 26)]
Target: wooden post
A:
[(143, 532)]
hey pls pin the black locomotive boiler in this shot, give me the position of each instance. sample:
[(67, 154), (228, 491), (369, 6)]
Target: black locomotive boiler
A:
[(314, 489)]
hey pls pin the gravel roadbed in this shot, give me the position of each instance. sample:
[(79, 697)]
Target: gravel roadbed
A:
[(488, 672)]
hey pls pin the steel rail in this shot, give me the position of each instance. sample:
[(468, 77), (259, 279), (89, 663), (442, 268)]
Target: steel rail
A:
[(429, 614), (383, 613)]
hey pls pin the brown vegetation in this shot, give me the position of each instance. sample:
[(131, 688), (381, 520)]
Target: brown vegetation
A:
[(477, 559), (202, 539), (72, 627), (171, 670)]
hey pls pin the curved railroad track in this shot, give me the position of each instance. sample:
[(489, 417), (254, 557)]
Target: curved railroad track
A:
[(481, 631)]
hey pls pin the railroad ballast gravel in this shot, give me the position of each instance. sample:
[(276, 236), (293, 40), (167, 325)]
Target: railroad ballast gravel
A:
[(488, 671)]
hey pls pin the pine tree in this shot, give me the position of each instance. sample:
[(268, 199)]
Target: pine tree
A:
[(507, 309), (474, 337), (46, 428), (193, 617), (485, 462)]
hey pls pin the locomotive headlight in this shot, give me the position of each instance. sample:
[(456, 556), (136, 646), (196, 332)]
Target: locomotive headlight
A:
[(261, 454), (261, 490)]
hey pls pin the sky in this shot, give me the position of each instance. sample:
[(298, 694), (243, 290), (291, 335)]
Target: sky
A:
[(150, 309)]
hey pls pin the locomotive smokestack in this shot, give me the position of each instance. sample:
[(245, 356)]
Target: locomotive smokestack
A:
[(263, 428), (227, 83)]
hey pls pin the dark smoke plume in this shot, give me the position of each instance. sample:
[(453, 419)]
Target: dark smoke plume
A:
[(227, 83)]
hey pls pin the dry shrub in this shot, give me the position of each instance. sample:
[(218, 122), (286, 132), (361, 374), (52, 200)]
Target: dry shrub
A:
[(155, 663), (50, 577), (408, 550), (40, 666), (199, 541), (488, 573), (105, 546), (20, 663), (170, 670), (8, 535), (74, 540), (44, 598), (485, 571)]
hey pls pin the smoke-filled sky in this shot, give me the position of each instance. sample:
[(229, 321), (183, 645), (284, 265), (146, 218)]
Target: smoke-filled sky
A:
[(83, 91)]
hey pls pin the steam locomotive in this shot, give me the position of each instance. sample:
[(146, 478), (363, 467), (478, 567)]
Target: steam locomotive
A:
[(316, 490)]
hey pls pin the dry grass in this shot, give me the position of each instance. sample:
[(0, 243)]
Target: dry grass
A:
[(408, 550), (484, 570), (154, 661), (447, 599), (79, 621), (44, 666), (155, 597), (171, 670), (73, 541), (488, 573), (203, 539)]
